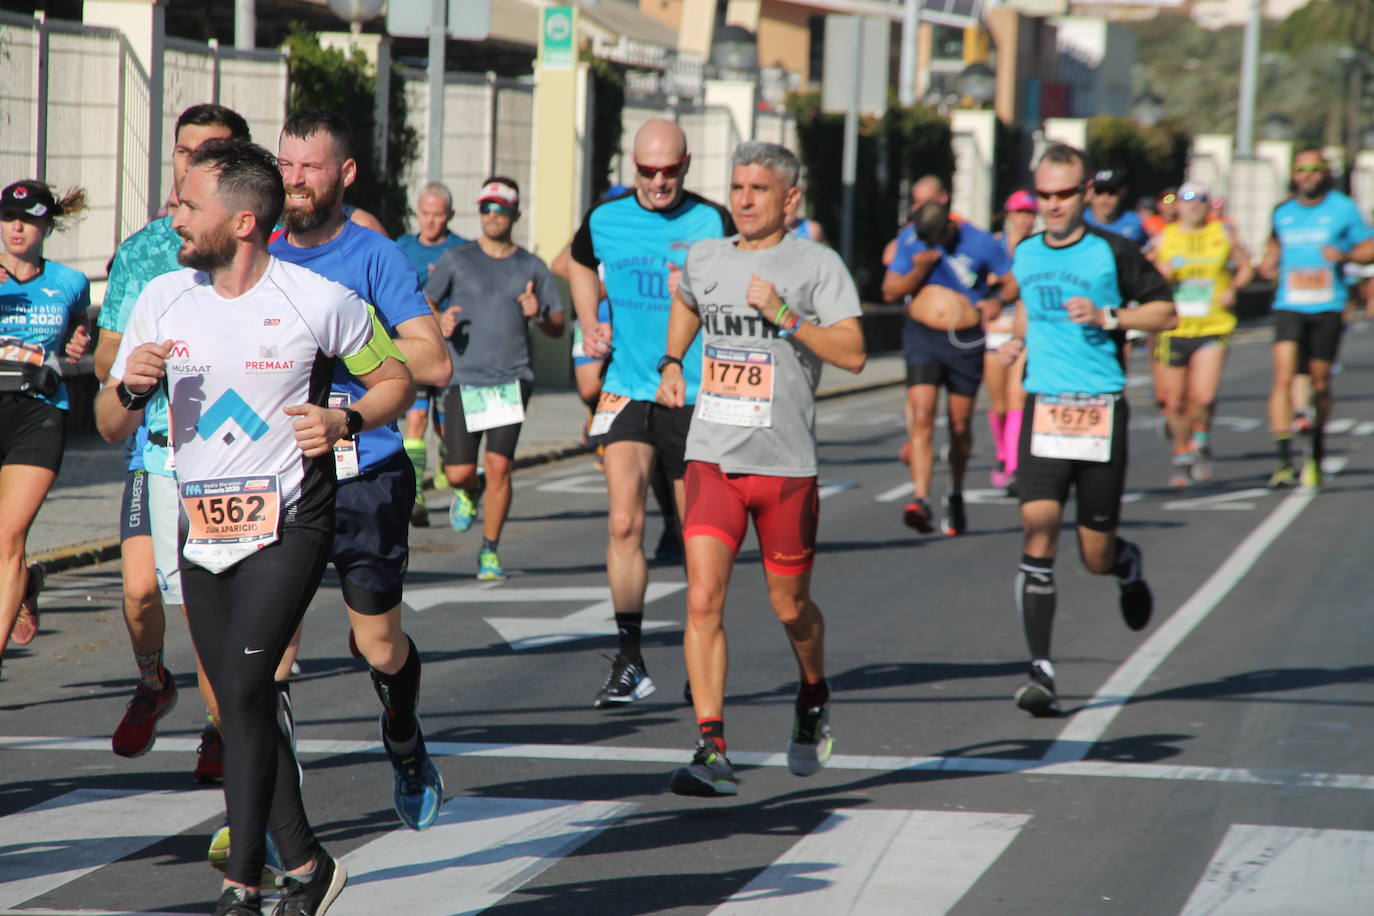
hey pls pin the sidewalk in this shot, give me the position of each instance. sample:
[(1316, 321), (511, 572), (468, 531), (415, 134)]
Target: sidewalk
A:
[(79, 522)]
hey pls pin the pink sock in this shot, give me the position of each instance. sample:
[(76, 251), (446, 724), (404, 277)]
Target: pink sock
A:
[(1011, 429), (996, 423)]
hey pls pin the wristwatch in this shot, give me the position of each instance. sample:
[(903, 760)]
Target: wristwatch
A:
[(131, 401), (1110, 321), (665, 361), (353, 422)]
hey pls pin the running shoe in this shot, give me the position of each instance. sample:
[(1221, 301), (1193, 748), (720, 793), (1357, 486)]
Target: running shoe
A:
[(419, 785), (1203, 464), (1037, 696), (709, 775), (628, 681), (312, 897), (221, 846), (26, 624), (1137, 601), (811, 743), (209, 757), (1284, 476), (489, 567), (1182, 473), (138, 729), (419, 513), (238, 901), (1311, 473), (1000, 479), (461, 511), (917, 515), (955, 521), (669, 549)]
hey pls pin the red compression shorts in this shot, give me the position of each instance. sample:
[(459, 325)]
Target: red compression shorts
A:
[(785, 511)]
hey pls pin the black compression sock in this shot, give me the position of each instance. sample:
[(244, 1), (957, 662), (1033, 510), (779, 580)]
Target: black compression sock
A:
[(400, 694), (1285, 446), (1318, 446), (628, 627), (811, 696), (1126, 566), (489, 545), (1035, 598)]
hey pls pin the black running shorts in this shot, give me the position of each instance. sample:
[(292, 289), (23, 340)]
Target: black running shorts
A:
[(665, 428), (1317, 334), (1099, 485), (32, 432)]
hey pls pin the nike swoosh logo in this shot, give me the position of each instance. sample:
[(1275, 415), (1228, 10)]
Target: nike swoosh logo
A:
[(248, 651)]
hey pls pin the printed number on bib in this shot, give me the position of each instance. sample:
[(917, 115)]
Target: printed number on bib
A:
[(18, 351), (229, 518), (1076, 427), (736, 387), (608, 407), (1193, 298), (490, 406), (1310, 286), (345, 450)]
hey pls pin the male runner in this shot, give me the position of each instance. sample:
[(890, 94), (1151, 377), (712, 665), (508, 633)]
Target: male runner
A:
[(641, 239), (433, 211), (376, 479), (252, 445), (1315, 233), (1074, 281), (149, 511), (497, 288), (1107, 210), (772, 309), (957, 279)]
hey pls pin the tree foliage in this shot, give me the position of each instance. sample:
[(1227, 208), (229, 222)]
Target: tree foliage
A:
[(1153, 158), (608, 94), (1329, 23), (329, 78)]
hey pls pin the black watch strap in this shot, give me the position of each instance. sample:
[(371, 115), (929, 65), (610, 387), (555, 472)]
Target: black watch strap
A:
[(353, 422), (666, 361), (131, 401)]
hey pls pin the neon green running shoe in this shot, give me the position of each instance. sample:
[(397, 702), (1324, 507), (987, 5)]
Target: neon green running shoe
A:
[(489, 567)]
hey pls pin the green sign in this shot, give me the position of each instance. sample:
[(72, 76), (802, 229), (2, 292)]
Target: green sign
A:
[(558, 38)]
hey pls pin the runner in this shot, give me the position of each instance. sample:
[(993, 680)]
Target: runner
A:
[(376, 479), (957, 278), (1206, 264), (149, 511), (925, 190), (1074, 281), (43, 319), (1006, 396), (1314, 233), (259, 504), (497, 288), (771, 309), (433, 211), (1107, 191), (641, 239)]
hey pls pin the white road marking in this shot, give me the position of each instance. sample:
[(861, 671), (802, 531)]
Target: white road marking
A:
[(587, 483), (896, 493), (1341, 426), (1363, 428), (879, 863), (479, 851), (1220, 500), (827, 488), (1287, 870), (1089, 724), (38, 854)]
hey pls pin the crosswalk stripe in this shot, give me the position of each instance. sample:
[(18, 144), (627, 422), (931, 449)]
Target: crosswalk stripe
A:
[(1363, 428), (1286, 870), (902, 863), (1341, 426), (896, 493), (40, 853), (480, 850)]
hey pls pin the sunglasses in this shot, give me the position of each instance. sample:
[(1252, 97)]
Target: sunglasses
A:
[(1065, 194), (669, 171), (1309, 169), (1191, 196), (491, 206), (1168, 198)]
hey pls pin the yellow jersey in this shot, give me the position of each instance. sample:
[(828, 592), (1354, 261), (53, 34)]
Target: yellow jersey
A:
[(1198, 262)]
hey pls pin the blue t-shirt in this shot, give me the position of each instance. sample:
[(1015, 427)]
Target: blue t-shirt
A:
[(965, 267), (146, 255), (636, 245), (423, 257), (1128, 224), (1308, 282), (376, 269), (44, 311), (1068, 358)]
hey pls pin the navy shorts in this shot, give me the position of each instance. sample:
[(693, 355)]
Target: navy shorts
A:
[(372, 535), (953, 360)]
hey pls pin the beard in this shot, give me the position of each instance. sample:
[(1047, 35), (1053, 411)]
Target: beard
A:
[(211, 252), (314, 213)]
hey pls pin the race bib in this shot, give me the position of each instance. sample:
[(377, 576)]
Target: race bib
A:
[(1193, 297), (1309, 286), (18, 351), (608, 407), (736, 387), (229, 518), (345, 450), (1076, 427), (490, 406)]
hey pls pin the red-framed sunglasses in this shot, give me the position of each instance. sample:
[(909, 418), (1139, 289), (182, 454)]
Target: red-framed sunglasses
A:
[(669, 171)]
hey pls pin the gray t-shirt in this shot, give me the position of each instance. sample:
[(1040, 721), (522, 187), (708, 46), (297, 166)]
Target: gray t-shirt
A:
[(756, 413), (491, 344)]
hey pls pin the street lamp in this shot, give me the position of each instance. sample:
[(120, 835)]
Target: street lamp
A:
[(978, 83), (1148, 109), (356, 12)]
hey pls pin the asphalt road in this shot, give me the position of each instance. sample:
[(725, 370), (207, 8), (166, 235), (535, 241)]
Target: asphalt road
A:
[(1217, 763)]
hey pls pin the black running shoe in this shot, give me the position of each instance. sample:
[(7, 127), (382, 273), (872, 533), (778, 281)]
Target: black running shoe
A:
[(238, 901), (811, 744), (419, 514), (709, 775), (1137, 601), (627, 682), (1037, 697), (312, 897), (917, 515), (955, 521)]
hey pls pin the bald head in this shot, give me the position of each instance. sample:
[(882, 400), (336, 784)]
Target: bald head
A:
[(660, 137), (928, 189), (661, 163)]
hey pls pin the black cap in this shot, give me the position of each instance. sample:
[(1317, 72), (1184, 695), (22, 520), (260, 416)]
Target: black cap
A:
[(31, 197), (1109, 181)]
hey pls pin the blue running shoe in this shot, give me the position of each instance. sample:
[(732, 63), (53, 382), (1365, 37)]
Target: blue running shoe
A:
[(419, 785), (489, 567), (461, 511)]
